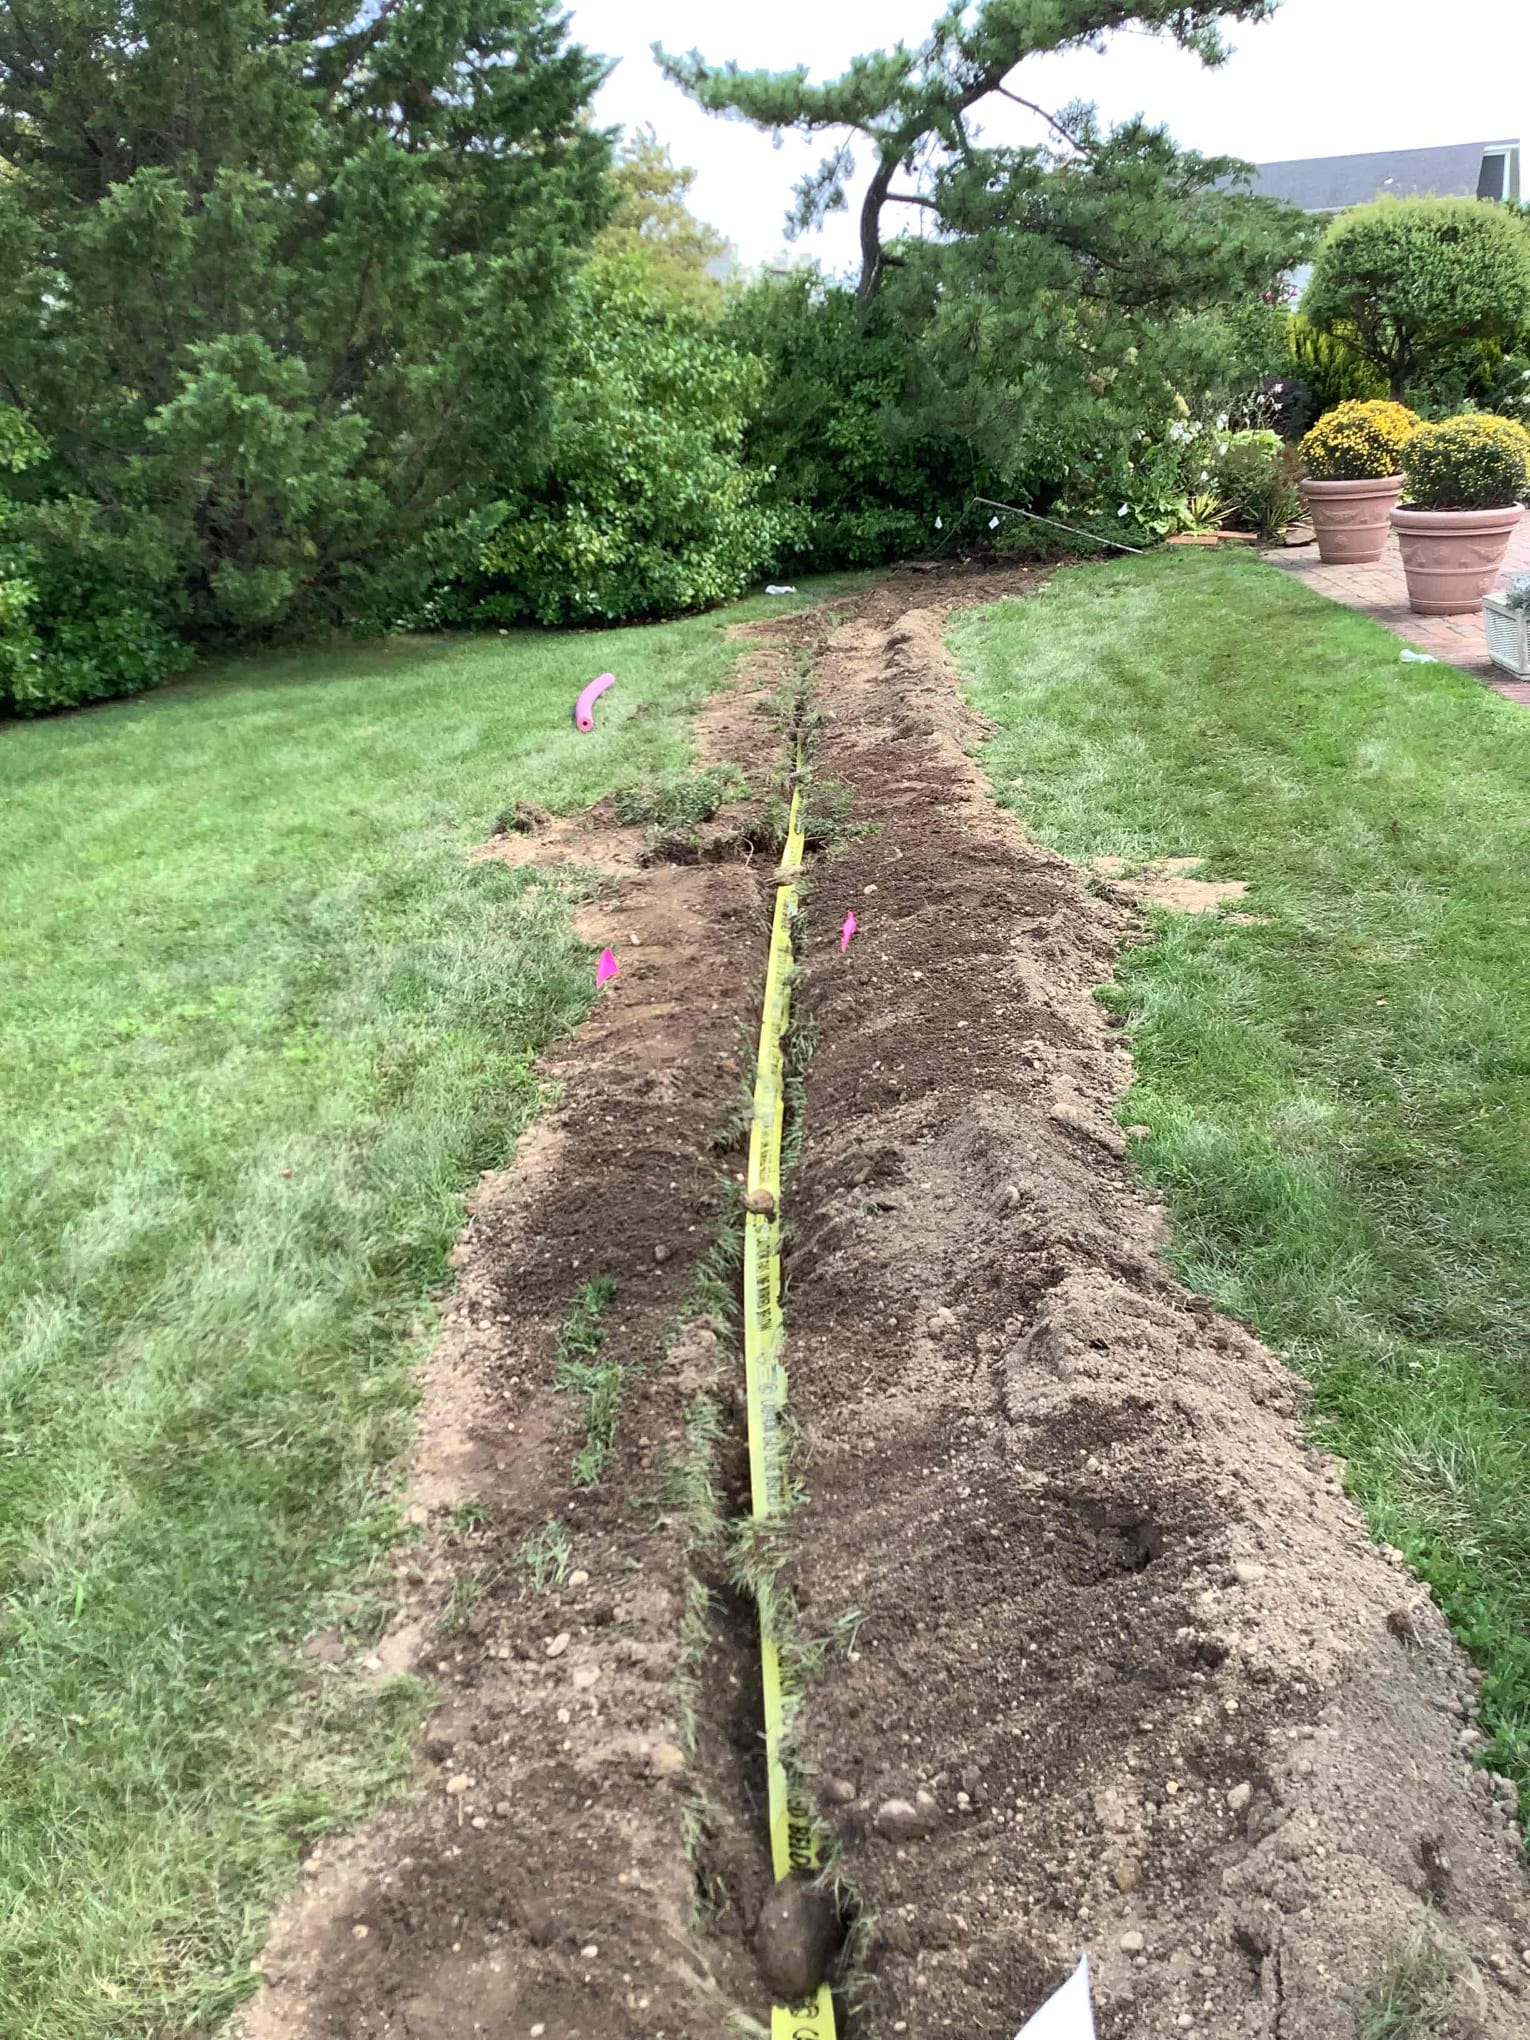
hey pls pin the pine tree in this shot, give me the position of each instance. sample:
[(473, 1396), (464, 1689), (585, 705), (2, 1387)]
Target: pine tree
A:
[(915, 110)]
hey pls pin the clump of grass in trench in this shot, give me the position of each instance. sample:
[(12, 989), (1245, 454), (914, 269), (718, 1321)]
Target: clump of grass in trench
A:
[(595, 1384), (545, 1555), (1411, 2000), (1337, 1090), (680, 799), (264, 1023)]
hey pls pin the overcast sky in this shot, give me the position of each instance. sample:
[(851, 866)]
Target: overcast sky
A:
[(1325, 78)]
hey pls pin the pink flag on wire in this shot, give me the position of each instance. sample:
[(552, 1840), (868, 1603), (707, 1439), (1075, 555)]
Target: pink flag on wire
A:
[(846, 932), (606, 968)]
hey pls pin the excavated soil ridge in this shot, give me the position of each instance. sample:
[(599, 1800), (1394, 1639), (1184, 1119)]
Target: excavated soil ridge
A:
[(1112, 1615)]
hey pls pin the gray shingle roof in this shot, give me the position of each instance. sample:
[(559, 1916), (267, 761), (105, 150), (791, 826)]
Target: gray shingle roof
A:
[(1330, 183)]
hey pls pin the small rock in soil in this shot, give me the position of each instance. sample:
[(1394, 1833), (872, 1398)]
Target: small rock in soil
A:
[(760, 1203), (579, 1578), (795, 1938), (1402, 1624), (1248, 1572), (458, 1785), (559, 1644), (899, 1820), (541, 1924), (329, 1648), (668, 1760), (1240, 1796), (661, 1255), (837, 1791), (1131, 1942)]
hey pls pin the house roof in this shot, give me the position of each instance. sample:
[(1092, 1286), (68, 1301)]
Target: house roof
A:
[(1331, 183)]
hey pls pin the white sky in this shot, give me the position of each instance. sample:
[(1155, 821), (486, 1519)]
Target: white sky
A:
[(1324, 78)]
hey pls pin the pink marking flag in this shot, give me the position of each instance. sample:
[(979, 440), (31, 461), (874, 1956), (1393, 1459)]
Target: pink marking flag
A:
[(606, 968), (846, 932)]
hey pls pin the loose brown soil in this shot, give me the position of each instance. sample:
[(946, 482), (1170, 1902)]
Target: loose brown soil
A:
[(1081, 1580)]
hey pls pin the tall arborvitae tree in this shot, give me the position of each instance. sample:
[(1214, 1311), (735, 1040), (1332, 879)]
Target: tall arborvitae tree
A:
[(281, 278)]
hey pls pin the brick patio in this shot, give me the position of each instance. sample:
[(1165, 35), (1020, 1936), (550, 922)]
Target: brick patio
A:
[(1381, 591)]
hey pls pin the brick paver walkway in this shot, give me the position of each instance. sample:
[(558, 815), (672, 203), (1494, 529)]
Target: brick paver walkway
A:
[(1382, 592)]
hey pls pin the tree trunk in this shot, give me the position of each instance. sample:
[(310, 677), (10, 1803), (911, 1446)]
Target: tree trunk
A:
[(871, 230)]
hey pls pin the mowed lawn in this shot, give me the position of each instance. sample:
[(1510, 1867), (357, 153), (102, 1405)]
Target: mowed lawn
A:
[(261, 1025), (1338, 1095)]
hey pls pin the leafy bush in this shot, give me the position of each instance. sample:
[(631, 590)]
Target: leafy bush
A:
[(645, 506), (1358, 442), (1406, 281), (1332, 372), (1473, 462), (76, 622), (1256, 479), (857, 464)]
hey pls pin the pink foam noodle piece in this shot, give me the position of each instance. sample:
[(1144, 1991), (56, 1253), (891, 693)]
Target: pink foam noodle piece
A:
[(606, 969), (584, 707), (846, 932)]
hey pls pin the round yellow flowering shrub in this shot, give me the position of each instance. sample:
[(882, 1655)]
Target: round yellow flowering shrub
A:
[(1358, 441), (1474, 462)]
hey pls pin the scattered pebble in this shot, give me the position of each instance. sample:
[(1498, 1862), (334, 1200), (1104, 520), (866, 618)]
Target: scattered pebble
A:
[(458, 1784), (1248, 1572), (1131, 1942), (559, 1644), (579, 1578), (899, 1820), (667, 1760), (1240, 1796), (360, 1931), (589, 1951), (838, 1791), (661, 1254)]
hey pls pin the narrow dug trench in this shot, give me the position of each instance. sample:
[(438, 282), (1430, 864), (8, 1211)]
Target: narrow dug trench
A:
[(1095, 1624)]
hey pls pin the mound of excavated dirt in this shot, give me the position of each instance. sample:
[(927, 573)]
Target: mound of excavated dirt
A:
[(1114, 1615), (1088, 1590)]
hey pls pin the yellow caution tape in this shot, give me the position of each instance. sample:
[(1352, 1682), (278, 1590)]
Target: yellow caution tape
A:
[(794, 1833)]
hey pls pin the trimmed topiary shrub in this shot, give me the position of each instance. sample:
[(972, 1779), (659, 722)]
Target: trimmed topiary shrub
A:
[(1358, 442), (1405, 282), (1474, 462)]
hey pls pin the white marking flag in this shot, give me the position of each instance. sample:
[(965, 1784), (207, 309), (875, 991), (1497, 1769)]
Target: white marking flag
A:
[(1066, 2014)]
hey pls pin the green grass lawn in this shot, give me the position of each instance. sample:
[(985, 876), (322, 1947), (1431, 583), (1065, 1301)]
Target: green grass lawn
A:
[(1339, 1097), (262, 1024)]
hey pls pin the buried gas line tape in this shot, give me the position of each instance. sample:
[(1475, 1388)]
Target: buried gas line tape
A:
[(795, 1840)]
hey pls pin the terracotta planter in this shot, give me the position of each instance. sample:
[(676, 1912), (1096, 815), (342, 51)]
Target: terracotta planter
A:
[(1350, 518), (1452, 557)]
